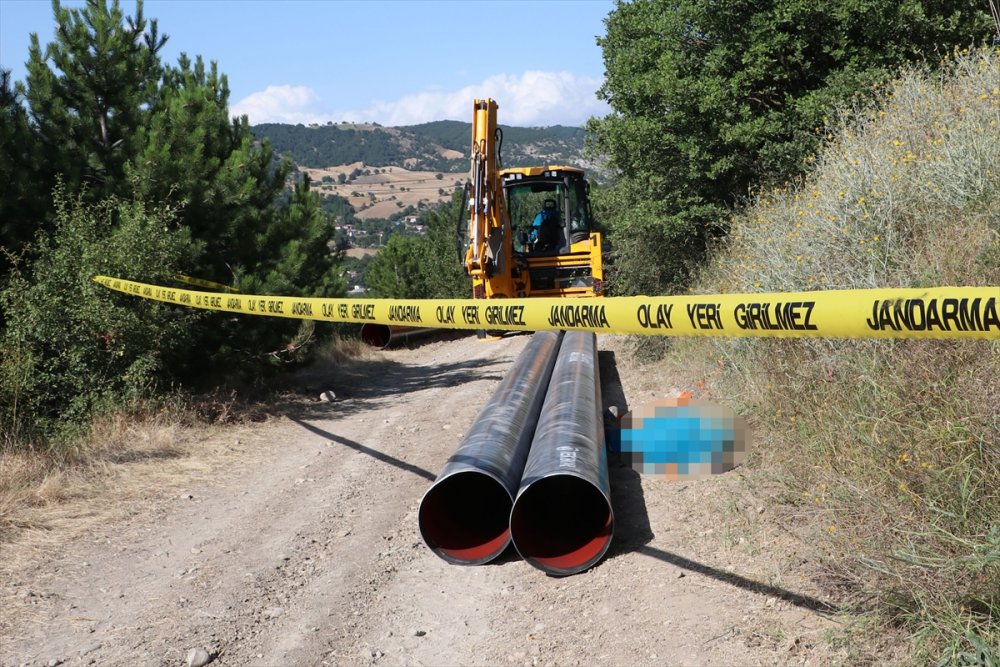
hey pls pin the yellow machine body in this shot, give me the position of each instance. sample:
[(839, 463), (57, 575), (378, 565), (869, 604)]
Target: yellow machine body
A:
[(506, 256)]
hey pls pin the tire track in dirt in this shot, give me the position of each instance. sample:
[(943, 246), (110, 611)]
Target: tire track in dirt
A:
[(313, 555)]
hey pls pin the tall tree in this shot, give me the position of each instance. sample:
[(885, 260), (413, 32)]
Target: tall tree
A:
[(106, 118), (395, 272), (711, 98), (423, 267), (87, 94), (440, 256), (20, 203), (304, 233), (192, 153)]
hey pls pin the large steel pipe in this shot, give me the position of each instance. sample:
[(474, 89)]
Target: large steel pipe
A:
[(384, 335), (562, 520), (464, 517)]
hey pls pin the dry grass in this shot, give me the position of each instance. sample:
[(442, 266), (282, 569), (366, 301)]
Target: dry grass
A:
[(359, 253), (902, 195), (123, 465), (884, 455), (341, 350)]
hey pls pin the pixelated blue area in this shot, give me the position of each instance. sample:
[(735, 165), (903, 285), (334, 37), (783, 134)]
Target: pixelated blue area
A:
[(680, 441), (678, 437)]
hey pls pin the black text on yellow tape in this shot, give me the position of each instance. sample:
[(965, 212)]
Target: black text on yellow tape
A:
[(200, 282), (938, 312)]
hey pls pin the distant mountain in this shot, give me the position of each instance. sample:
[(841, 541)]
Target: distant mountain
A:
[(521, 146), (438, 146)]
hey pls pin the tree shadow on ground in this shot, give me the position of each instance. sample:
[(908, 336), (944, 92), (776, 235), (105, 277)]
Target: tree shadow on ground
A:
[(358, 383), (419, 340), (358, 447)]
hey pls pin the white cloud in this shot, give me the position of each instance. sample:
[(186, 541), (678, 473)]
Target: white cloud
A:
[(280, 104), (534, 98)]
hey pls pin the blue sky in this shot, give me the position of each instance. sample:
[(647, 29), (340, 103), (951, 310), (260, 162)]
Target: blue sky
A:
[(395, 62)]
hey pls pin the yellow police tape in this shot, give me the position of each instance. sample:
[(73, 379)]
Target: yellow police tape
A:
[(934, 312), (200, 282)]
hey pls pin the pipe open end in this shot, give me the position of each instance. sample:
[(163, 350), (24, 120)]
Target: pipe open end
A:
[(464, 518), (376, 335), (562, 524)]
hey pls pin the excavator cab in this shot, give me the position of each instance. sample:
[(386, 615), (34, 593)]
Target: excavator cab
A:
[(548, 212), (553, 237)]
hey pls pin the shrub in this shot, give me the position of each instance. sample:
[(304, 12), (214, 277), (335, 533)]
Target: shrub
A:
[(69, 347)]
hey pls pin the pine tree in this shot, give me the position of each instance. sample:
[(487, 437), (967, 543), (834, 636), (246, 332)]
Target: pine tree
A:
[(86, 94), (302, 231), (106, 118), (193, 153), (20, 203)]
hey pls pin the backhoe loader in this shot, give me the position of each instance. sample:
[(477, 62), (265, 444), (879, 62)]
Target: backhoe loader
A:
[(530, 229)]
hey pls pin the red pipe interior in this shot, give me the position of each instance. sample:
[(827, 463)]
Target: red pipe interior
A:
[(376, 335), (562, 524), (464, 518)]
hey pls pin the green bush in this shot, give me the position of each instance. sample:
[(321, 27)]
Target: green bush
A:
[(422, 267), (69, 347)]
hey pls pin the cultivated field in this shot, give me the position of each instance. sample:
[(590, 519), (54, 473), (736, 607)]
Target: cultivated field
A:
[(379, 195)]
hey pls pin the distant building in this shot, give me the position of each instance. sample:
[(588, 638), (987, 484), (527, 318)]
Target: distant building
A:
[(411, 223)]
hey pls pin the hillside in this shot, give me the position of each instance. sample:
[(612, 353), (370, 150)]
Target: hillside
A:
[(883, 454), (440, 146), (379, 171), (521, 145)]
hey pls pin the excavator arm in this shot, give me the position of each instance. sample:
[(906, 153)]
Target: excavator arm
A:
[(489, 251)]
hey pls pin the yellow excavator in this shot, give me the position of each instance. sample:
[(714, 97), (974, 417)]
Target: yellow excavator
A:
[(530, 230)]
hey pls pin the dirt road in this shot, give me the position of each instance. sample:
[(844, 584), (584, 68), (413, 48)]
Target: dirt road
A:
[(309, 552)]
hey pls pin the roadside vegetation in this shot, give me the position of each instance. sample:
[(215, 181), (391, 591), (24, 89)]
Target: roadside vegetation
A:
[(128, 166), (422, 267), (797, 146), (709, 101), (755, 150), (116, 162), (884, 456)]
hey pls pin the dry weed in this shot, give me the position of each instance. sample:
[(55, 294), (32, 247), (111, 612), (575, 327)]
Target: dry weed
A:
[(47, 498), (886, 453)]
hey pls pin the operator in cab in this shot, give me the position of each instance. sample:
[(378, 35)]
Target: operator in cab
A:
[(545, 228)]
